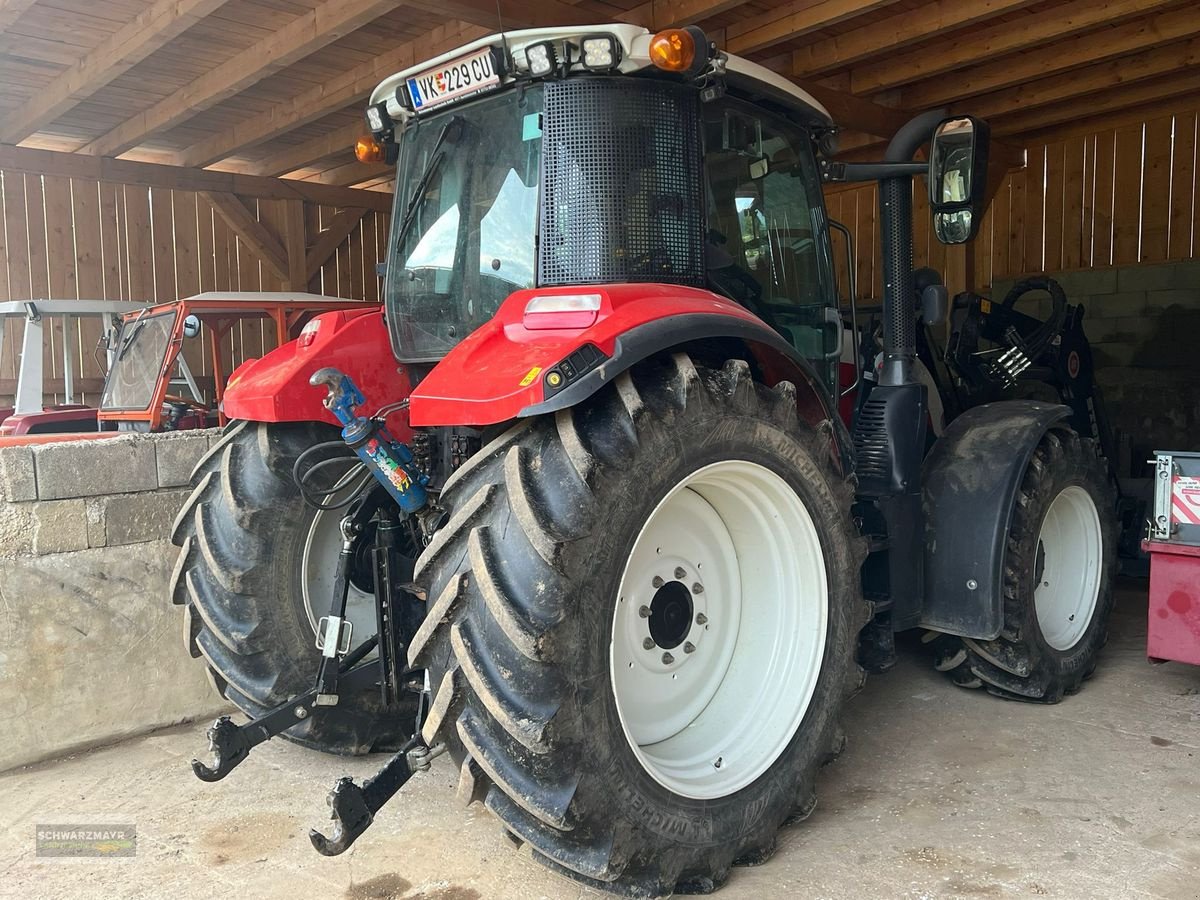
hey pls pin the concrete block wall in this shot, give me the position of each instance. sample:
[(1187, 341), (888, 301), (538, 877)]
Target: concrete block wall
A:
[(90, 645), (1143, 322)]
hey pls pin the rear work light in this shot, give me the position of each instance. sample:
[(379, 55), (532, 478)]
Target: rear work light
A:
[(561, 311), (541, 58)]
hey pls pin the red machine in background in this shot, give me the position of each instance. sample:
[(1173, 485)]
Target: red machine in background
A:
[(1174, 547)]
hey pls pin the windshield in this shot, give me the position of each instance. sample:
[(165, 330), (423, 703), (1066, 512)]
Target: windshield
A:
[(141, 349), (465, 221)]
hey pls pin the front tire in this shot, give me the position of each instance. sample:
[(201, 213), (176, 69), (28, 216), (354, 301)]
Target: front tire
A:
[(1059, 565), (561, 531), (254, 573)]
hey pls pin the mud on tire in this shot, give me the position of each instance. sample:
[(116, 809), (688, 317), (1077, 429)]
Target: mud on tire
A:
[(1021, 664), (241, 535), (522, 586)]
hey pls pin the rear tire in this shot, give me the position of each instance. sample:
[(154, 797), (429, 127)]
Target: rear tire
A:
[(1059, 565), (242, 576), (525, 584)]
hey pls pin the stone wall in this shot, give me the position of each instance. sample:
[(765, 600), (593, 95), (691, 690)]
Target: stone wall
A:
[(91, 649), (1143, 322)]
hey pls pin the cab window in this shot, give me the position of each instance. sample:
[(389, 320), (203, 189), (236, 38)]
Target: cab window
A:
[(767, 240)]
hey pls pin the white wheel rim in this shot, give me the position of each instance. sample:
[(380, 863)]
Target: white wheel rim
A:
[(322, 544), (1070, 549), (708, 721)]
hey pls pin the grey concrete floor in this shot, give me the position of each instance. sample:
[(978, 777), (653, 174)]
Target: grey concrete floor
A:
[(941, 793)]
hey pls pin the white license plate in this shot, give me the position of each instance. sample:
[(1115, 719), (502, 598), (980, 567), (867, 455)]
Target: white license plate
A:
[(457, 78)]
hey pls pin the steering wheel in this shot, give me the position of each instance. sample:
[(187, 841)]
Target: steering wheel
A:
[(1039, 341), (176, 400)]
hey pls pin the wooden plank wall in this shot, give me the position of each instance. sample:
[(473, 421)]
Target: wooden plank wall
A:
[(1117, 196), (69, 238)]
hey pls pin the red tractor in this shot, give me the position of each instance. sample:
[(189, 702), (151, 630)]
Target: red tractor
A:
[(592, 524)]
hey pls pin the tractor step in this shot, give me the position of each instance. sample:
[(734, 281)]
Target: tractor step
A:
[(353, 808)]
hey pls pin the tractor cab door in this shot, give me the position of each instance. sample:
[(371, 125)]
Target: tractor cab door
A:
[(768, 240)]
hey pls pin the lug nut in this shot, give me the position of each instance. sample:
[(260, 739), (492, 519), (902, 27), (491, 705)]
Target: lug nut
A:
[(689, 647), (648, 643), (679, 573), (656, 582), (667, 659), (701, 619), (697, 588), (644, 611), (300, 712)]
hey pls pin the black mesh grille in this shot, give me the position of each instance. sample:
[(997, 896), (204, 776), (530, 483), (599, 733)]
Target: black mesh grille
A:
[(621, 185)]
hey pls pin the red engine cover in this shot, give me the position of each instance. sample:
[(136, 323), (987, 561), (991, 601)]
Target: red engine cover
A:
[(275, 388), (497, 371)]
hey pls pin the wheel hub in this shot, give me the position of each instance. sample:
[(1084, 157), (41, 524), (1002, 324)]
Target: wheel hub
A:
[(671, 615)]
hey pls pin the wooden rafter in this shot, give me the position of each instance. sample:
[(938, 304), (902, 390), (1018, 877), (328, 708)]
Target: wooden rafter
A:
[(992, 41), (11, 10), (895, 32), (117, 54), (323, 99), (300, 37), (656, 14), (252, 232), (1062, 56), (1128, 97), (1095, 80), (514, 13), (289, 159), (792, 20), (122, 171), (340, 228)]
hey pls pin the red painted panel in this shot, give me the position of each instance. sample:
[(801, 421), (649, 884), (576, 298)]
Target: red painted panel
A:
[(1174, 627)]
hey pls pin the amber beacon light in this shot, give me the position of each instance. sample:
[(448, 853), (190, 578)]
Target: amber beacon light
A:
[(683, 50), (368, 150)]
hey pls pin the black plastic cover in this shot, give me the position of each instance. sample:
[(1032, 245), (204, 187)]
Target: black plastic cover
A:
[(622, 189), (971, 479)]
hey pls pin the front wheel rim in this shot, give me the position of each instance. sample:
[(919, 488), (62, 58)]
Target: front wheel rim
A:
[(1069, 556), (719, 629)]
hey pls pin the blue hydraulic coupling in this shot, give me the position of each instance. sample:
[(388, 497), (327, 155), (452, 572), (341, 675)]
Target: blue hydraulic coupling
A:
[(389, 460)]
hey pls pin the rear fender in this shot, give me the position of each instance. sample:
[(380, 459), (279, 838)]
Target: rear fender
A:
[(970, 481), (506, 370), (275, 387)]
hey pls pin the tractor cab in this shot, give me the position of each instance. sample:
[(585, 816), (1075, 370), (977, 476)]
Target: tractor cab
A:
[(151, 386), (587, 156)]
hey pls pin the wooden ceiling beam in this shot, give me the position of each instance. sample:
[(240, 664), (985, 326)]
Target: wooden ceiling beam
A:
[(1129, 97), (11, 10), (514, 13), (1091, 80), (319, 101), (793, 20), (124, 171), (995, 40), (289, 159), (657, 14), (895, 32), (115, 55), (1061, 56), (318, 28), (351, 173)]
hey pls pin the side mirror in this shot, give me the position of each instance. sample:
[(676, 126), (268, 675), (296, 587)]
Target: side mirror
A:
[(958, 160), (191, 326)]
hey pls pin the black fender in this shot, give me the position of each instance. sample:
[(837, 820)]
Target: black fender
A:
[(969, 488), (775, 359)]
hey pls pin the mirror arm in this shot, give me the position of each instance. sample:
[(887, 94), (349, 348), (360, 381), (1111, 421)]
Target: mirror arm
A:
[(833, 172), (913, 135)]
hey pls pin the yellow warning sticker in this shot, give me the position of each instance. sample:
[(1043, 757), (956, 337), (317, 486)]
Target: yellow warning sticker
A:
[(530, 375), (985, 305)]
